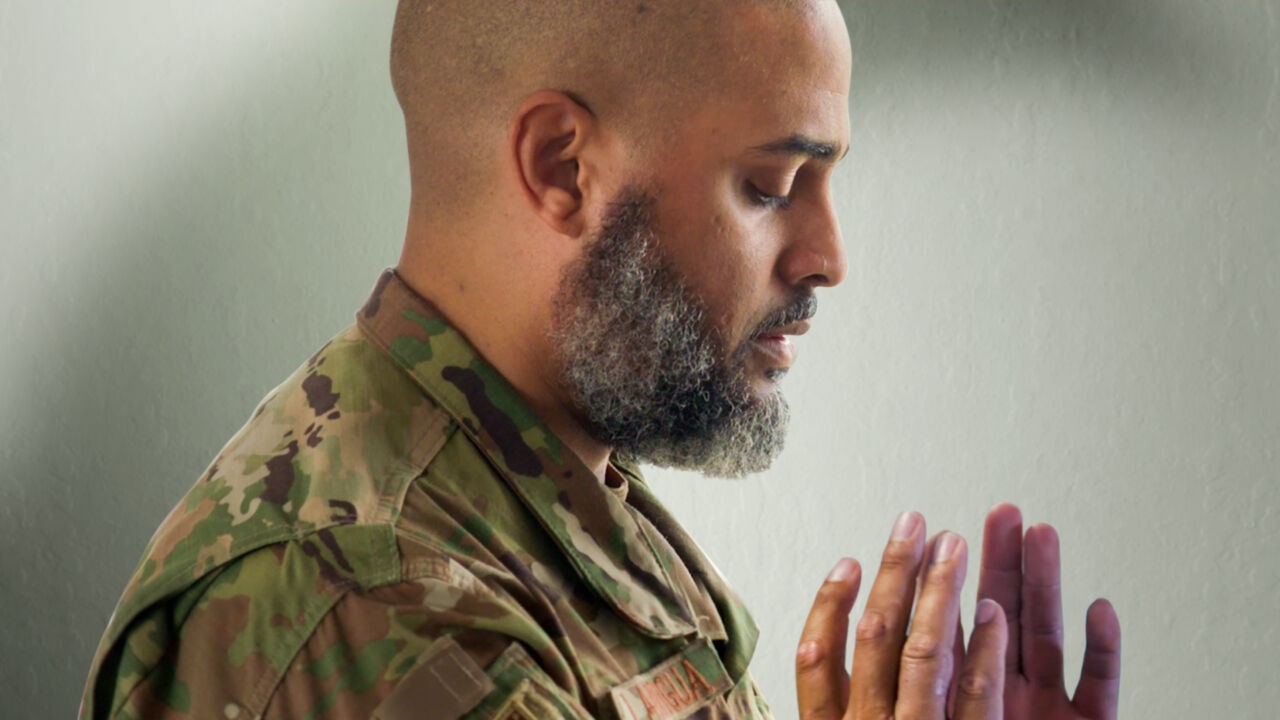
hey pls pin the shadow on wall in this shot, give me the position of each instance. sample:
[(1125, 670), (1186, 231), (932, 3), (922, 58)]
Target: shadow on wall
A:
[(234, 255), (1140, 55)]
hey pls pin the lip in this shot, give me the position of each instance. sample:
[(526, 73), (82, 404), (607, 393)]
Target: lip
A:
[(775, 343), (796, 328)]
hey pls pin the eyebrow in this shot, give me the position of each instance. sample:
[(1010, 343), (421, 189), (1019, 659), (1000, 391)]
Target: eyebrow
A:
[(802, 145)]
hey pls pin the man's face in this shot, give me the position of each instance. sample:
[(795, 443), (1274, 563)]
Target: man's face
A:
[(673, 327)]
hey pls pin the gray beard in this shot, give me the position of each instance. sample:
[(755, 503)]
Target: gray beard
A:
[(643, 370)]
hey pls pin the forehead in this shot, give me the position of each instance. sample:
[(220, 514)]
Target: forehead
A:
[(809, 42), (782, 73)]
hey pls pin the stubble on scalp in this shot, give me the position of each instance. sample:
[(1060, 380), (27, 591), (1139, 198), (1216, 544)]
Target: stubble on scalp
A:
[(461, 67), (646, 373)]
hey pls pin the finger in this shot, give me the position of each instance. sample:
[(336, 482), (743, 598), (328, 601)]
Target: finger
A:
[(980, 692), (1001, 575), (880, 633), (925, 672), (1098, 693), (822, 687), (957, 660), (958, 645), (923, 570), (1042, 609)]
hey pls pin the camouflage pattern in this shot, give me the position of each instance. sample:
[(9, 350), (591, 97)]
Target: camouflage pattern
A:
[(393, 497)]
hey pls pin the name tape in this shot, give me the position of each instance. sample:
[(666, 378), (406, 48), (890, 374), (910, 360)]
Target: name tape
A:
[(674, 688)]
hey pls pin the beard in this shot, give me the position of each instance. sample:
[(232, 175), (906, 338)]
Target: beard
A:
[(642, 367)]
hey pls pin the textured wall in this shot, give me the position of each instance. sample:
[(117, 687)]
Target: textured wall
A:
[(1065, 291)]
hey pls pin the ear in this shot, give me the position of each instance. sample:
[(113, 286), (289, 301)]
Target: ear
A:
[(549, 134)]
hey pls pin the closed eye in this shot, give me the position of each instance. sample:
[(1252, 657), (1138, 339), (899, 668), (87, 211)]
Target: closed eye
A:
[(764, 199)]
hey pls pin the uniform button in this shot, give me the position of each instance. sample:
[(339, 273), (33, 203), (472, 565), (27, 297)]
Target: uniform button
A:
[(232, 711)]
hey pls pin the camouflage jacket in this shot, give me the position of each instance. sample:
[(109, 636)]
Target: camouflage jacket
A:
[(394, 534)]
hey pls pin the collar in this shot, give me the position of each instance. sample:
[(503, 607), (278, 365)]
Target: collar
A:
[(591, 524)]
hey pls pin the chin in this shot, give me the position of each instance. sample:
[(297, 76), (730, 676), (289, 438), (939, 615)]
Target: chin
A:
[(765, 386)]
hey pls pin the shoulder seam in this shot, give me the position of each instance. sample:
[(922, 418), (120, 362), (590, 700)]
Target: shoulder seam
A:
[(433, 439)]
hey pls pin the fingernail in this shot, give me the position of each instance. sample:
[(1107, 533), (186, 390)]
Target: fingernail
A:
[(986, 610), (947, 546), (905, 527), (842, 571)]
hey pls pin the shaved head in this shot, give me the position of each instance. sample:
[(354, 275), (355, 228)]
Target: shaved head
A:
[(461, 67)]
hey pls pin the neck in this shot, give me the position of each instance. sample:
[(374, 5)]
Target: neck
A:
[(500, 315), (593, 454)]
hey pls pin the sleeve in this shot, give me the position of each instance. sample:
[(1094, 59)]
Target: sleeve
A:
[(267, 638), (434, 647)]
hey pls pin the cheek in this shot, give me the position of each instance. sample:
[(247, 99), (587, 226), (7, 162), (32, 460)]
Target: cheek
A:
[(738, 275), (721, 249)]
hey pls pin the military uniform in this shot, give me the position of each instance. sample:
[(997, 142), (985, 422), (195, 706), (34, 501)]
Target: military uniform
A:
[(394, 534)]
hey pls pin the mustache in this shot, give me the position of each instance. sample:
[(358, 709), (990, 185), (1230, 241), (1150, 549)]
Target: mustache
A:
[(802, 307)]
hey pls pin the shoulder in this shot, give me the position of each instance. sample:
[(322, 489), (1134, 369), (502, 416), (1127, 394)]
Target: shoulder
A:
[(334, 445), (313, 483)]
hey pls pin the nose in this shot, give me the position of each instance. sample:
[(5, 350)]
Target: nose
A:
[(815, 254)]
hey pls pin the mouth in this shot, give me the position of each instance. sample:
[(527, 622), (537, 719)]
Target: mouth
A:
[(774, 345)]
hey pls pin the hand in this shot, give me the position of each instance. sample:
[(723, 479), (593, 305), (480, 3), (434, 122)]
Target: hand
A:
[(1023, 575), (899, 673)]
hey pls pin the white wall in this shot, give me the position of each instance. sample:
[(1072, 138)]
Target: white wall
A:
[(1065, 291)]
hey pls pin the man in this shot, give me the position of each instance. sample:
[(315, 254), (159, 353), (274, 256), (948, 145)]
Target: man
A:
[(620, 211)]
